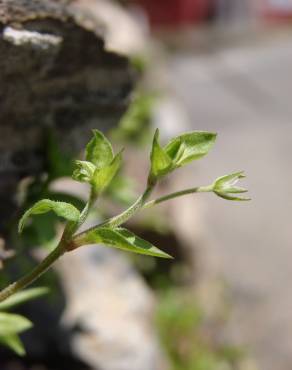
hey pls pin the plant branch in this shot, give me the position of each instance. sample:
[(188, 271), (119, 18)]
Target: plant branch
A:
[(66, 240), (92, 199), (124, 216), (128, 213), (34, 274), (62, 247)]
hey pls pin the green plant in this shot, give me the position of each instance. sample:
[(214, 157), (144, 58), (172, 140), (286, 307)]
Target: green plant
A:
[(98, 170), (187, 336), (11, 325)]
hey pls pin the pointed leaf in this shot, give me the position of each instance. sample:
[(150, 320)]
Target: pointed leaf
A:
[(99, 150), (62, 209), (121, 239), (13, 342), (190, 146), (13, 324), (103, 177), (141, 243), (160, 162), (22, 297)]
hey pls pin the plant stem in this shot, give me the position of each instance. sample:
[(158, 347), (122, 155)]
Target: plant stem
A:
[(62, 247), (122, 217), (112, 222), (71, 228), (128, 213), (141, 204), (202, 189), (34, 274)]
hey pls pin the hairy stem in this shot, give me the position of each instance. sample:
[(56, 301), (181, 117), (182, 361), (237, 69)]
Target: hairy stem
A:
[(92, 199), (34, 274), (124, 216), (128, 213), (201, 189)]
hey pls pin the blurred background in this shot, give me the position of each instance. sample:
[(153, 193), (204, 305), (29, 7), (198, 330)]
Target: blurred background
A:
[(225, 302)]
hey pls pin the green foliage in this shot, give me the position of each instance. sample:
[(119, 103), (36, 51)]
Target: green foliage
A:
[(103, 177), (100, 166), (11, 325), (161, 163), (189, 147), (186, 339), (62, 209), (122, 239), (99, 150), (178, 152), (98, 170), (13, 342)]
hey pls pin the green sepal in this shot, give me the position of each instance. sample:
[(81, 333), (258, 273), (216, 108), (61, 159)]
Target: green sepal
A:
[(122, 239), (102, 177), (99, 150), (62, 209)]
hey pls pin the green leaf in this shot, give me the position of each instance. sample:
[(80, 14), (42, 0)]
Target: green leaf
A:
[(13, 324), (142, 244), (13, 342), (178, 152), (189, 146), (84, 171), (62, 209), (103, 176), (161, 163), (22, 297), (122, 239), (99, 150), (225, 187)]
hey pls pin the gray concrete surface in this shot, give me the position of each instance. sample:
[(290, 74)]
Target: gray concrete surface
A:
[(245, 94)]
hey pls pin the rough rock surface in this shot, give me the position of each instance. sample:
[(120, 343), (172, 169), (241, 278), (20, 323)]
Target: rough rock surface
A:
[(110, 308), (54, 72)]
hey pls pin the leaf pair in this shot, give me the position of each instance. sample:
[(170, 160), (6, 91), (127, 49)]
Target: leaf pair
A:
[(100, 166), (178, 152), (11, 325), (122, 239)]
